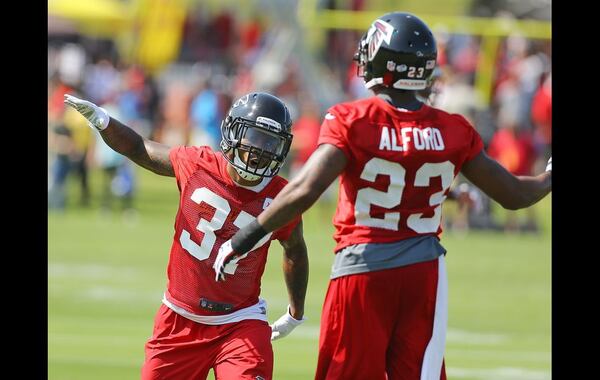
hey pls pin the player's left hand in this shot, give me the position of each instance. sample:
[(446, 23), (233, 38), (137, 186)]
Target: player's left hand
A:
[(284, 325), (225, 255)]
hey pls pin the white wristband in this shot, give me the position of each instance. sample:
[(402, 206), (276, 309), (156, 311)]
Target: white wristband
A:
[(292, 320), (549, 166)]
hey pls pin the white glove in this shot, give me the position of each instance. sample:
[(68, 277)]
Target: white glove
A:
[(225, 255), (97, 117), (284, 325), (549, 166)]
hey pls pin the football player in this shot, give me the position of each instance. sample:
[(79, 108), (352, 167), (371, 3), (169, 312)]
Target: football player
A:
[(385, 311), (203, 324)]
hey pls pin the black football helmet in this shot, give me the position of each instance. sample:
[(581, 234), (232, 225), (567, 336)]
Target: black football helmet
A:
[(257, 130), (398, 51)]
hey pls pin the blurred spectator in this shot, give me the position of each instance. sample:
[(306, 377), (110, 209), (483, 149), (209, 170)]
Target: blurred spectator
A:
[(251, 33), (175, 128), (454, 94), (513, 148), (101, 81), (61, 145), (222, 27), (205, 115), (464, 56), (71, 64), (117, 174), (79, 158), (541, 115), (56, 91), (306, 134), (150, 105)]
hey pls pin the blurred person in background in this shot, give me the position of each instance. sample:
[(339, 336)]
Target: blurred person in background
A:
[(385, 311), (101, 81), (306, 134), (205, 115), (204, 324), (74, 157), (61, 147), (118, 179), (512, 146), (541, 116), (151, 105), (175, 128)]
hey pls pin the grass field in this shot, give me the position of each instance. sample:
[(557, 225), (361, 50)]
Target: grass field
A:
[(107, 274)]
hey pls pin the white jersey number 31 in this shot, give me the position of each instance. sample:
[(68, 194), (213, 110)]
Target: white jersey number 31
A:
[(208, 227)]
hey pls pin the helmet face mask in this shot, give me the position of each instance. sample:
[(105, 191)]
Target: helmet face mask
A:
[(398, 51), (256, 135)]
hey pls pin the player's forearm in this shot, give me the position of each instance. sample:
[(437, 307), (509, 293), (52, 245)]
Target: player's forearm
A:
[(129, 143), (123, 139), (530, 190), (295, 269), (295, 198), (292, 201), (517, 192), (512, 192)]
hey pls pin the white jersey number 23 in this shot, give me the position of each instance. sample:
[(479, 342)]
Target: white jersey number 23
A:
[(393, 196)]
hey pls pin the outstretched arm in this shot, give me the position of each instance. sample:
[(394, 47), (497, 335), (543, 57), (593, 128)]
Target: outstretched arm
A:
[(295, 271), (124, 140), (512, 192), (321, 169)]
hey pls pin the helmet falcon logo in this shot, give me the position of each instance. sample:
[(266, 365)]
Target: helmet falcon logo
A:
[(380, 31), (241, 101)]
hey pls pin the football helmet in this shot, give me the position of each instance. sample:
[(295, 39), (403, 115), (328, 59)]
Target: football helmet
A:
[(398, 51), (257, 130)]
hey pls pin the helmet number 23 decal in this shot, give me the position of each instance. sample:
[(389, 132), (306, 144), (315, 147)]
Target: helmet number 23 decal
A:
[(415, 72)]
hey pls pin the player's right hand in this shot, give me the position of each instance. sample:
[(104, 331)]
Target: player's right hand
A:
[(97, 117), (225, 255)]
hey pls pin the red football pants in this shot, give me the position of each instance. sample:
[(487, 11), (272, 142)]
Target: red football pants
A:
[(182, 349), (388, 324)]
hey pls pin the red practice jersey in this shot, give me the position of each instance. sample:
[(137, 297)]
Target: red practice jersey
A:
[(400, 167), (211, 209)]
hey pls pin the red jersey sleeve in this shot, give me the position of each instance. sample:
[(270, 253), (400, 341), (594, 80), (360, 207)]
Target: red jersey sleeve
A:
[(475, 143), (285, 232), (334, 130), (185, 161)]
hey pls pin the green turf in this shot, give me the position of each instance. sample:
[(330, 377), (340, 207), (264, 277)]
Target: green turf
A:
[(107, 274)]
